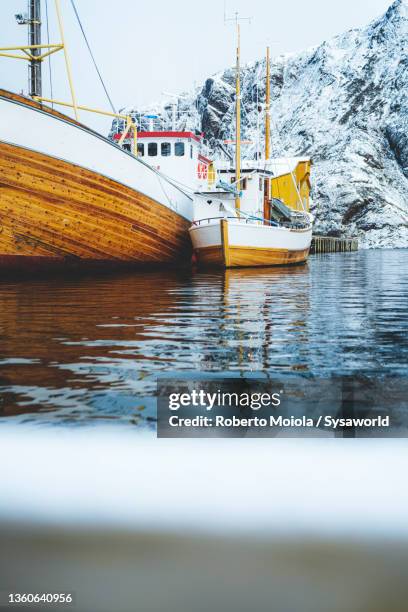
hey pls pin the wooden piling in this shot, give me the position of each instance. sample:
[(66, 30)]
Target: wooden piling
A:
[(331, 244)]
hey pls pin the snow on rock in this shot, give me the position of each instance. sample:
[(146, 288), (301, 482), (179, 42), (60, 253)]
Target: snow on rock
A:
[(344, 104)]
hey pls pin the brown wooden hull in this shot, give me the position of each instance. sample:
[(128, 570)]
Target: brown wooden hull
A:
[(53, 212), (235, 257)]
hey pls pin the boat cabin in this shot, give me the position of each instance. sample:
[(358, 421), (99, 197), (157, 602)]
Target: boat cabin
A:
[(178, 155), (281, 179)]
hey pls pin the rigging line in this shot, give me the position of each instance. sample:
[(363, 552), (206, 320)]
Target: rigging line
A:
[(92, 56), (171, 204), (49, 57)]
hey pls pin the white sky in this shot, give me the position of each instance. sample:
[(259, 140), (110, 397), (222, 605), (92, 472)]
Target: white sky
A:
[(146, 47)]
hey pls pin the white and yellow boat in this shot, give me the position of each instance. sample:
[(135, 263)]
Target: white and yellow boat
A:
[(264, 231), (238, 242), (258, 214)]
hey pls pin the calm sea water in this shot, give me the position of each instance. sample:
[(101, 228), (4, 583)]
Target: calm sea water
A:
[(87, 349)]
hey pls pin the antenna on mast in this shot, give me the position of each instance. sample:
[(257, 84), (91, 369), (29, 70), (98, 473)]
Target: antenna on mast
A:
[(33, 20), (34, 35), (237, 20)]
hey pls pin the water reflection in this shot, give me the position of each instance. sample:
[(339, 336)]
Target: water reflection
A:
[(81, 349), (263, 311)]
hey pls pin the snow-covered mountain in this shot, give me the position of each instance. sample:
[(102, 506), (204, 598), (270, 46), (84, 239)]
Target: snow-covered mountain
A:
[(343, 103)]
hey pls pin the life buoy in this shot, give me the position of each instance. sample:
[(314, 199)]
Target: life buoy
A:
[(202, 171)]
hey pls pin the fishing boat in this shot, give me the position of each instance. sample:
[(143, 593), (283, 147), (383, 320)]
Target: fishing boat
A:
[(70, 196), (245, 221)]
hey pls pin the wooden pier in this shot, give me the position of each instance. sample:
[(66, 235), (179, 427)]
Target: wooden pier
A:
[(331, 244)]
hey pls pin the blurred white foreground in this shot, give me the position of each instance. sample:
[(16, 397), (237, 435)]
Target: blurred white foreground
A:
[(128, 522)]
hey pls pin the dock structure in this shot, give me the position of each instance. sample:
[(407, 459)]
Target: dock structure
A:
[(331, 244)]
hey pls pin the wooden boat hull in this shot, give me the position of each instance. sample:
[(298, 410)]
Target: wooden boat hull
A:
[(57, 211), (231, 244), (240, 257), (53, 212)]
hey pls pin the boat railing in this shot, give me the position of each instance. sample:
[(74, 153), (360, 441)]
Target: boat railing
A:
[(237, 219), (250, 220), (247, 220)]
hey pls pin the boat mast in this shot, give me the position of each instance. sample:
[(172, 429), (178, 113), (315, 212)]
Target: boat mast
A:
[(34, 38), (67, 62), (267, 183), (268, 108), (237, 19), (238, 122)]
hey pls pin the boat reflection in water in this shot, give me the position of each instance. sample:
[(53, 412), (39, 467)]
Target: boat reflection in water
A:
[(255, 303), (85, 348)]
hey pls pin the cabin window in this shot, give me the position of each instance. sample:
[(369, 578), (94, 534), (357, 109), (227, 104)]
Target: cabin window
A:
[(140, 149), (179, 149), (191, 151), (152, 149), (260, 184), (127, 147), (166, 149), (244, 184)]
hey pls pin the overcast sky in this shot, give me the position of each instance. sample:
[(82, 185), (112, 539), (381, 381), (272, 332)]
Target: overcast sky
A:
[(146, 47)]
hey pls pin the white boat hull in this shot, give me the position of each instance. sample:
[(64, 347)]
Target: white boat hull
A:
[(39, 131), (235, 243)]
